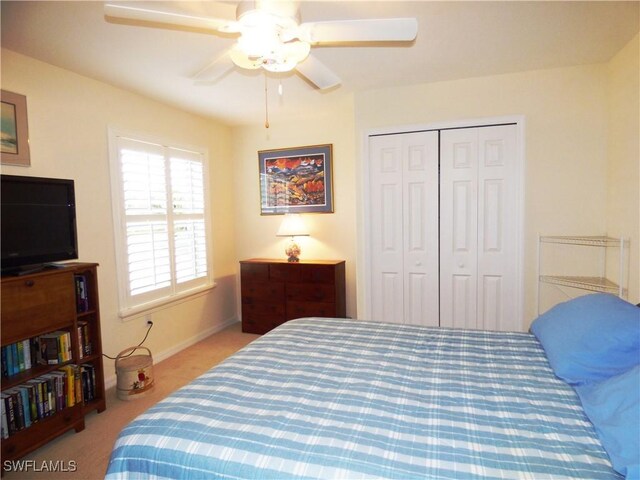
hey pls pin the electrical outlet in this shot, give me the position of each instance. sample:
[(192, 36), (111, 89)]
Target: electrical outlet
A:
[(148, 319)]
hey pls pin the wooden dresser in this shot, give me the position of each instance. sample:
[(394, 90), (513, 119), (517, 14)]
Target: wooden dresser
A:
[(274, 291)]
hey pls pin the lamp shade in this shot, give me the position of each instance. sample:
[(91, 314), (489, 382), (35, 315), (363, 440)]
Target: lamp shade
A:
[(292, 226)]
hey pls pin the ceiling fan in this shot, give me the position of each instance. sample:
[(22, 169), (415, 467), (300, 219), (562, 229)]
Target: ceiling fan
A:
[(270, 36)]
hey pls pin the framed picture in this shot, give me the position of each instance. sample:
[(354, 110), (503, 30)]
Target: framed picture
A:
[(296, 180), (14, 132)]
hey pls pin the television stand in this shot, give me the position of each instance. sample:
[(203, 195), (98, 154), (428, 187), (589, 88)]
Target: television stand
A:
[(29, 269), (61, 304)]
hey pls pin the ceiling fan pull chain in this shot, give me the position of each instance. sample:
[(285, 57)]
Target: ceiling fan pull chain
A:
[(266, 104)]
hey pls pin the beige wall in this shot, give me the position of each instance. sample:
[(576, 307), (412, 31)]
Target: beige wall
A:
[(68, 119), (576, 119), (333, 236), (565, 113), (623, 201)]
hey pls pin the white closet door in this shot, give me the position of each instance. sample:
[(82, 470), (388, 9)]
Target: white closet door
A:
[(386, 228), (404, 228), (458, 227), (420, 232), (478, 228)]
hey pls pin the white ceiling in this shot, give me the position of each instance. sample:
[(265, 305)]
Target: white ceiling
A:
[(455, 40)]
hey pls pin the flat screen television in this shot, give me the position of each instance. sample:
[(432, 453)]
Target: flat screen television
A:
[(38, 222)]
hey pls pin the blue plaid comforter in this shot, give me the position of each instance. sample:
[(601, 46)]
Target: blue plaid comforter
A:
[(340, 399)]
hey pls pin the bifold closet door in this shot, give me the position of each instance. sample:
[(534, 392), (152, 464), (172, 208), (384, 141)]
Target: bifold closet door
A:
[(403, 219), (478, 228)]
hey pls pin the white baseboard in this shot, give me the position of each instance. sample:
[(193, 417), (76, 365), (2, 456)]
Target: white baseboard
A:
[(110, 382)]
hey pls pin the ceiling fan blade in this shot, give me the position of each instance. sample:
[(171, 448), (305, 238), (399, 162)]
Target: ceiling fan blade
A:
[(367, 30), (215, 70), (317, 73), (166, 16)]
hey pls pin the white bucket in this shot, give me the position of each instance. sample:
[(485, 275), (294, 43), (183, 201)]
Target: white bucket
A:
[(134, 373)]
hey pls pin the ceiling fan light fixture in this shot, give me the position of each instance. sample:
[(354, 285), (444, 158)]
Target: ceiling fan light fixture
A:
[(242, 60), (261, 43), (283, 65), (258, 42)]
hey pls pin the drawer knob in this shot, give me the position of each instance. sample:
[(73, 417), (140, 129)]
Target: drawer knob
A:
[(29, 283)]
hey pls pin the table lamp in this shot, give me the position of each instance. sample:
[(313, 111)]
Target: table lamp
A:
[(292, 226)]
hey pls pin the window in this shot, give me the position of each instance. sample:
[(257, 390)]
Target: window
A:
[(161, 221)]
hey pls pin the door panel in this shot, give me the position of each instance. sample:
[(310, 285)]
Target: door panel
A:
[(462, 306), (497, 229), (386, 227), (458, 227), (420, 232), (404, 228), (478, 228)]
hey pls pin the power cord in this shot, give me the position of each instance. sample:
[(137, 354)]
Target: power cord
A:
[(149, 325)]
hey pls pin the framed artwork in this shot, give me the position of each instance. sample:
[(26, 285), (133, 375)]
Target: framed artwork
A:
[(14, 131), (296, 180)]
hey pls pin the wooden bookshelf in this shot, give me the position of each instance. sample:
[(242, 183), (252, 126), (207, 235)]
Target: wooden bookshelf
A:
[(54, 300)]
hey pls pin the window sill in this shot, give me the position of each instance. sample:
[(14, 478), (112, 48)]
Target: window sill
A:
[(151, 307)]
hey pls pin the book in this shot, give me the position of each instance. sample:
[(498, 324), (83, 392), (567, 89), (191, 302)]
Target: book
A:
[(4, 426), (17, 407), (37, 392), (82, 298), (84, 339), (70, 384), (26, 407), (5, 366), (11, 415), (26, 348), (32, 401), (88, 382), (15, 365), (20, 350)]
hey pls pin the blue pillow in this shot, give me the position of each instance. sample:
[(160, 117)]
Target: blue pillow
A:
[(613, 406), (590, 338)]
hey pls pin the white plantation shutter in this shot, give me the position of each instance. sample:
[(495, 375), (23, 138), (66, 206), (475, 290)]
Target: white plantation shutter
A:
[(148, 256), (187, 193), (161, 220)]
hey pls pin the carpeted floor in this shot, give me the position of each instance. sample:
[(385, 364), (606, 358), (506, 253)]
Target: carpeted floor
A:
[(89, 450)]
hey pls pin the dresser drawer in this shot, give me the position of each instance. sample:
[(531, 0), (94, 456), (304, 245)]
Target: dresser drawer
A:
[(319, 274), (262, 292), (36, 304), (284, 272), (263, 311), (262, 318), (310, 309), (254, 271), (311, 292)]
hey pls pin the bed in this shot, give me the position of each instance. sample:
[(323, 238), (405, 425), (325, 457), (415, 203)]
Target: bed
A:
[(322, 398)]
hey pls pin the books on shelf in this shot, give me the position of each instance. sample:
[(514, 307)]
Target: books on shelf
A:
[(50, 349), (55, 347), (18, 357), (82, 296), (84, 340), (41, 397), (88, 374)]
